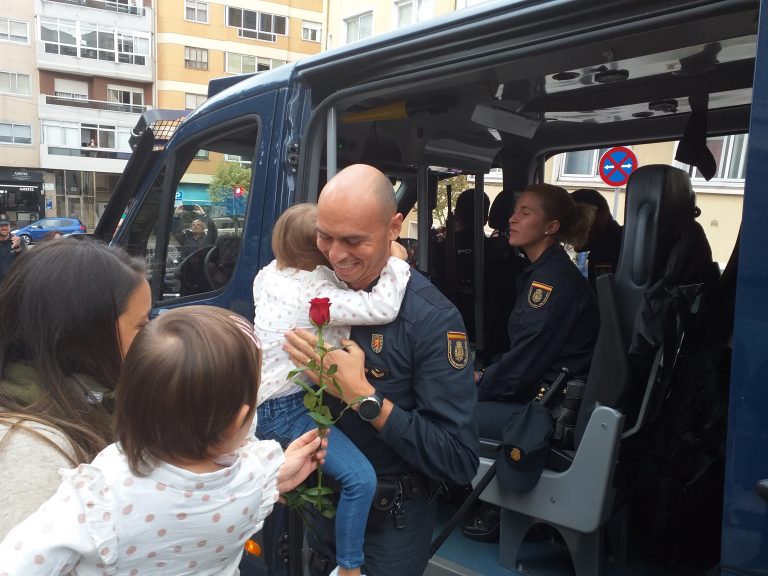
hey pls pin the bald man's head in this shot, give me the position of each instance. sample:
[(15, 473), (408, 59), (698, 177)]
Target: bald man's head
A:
[(356, 221), (361, 183)]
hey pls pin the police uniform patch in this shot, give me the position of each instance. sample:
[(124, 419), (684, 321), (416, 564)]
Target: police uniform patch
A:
[(538, 294), (377, 342), (458, 351)]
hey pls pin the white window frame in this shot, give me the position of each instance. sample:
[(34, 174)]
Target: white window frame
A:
[(198, 100), (14, 128), (259, 32), (235, 159), (57, 23), (198, 8), (13, 83), (5, 30), (414, 4), (131, 92), (724, 162), (593, 175), (311, 31), (139, 48), (357, 18), (190, 58)]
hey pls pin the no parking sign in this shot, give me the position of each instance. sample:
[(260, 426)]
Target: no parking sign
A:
[(617, 165)]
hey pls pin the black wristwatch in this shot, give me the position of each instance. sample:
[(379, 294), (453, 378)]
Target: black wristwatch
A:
[(369, 408)]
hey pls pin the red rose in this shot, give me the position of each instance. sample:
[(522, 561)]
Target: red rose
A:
[(320, 311)]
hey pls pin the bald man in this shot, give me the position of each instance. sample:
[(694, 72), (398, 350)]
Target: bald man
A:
[(415, 423)]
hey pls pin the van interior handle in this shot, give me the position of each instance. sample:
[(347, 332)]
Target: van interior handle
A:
[(762, 489)]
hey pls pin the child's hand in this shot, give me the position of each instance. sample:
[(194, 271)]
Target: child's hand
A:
[(398, 250), (301, 458)]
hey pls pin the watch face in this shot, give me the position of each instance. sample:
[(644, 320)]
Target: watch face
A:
[(369, 409)]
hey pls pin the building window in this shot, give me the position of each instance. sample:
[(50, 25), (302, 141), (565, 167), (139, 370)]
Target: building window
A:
[(730, 154), (311, 31), (196, 11), (581, 164), (126, 99), (14, 31), (246, 64), (192, 101), (70, 89), (109, 137), (132, 49), (97, 42), (15, 133), (14, 83), (237, 158), (62, 134), (59, 36), (359, 27), (257, 25), (93, 41), (196, 58), (406, 12)]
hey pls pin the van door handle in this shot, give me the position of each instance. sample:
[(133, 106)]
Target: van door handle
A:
[(762, 489)]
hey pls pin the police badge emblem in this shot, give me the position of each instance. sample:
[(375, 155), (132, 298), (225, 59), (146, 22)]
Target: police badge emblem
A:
[(377, 342), (538, 294), (458, 352)]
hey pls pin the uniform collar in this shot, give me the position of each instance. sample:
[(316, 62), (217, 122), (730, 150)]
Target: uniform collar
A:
[(547, 255)]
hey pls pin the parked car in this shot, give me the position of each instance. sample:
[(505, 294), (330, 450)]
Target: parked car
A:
[(35, 231)]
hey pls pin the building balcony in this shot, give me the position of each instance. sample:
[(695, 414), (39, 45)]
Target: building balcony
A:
[(84, 158), (52, 100), (124, 7), (68, 61)]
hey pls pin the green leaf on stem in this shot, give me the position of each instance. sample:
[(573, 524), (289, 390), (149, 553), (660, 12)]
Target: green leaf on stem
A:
[(320, 419), (331, 370), (310, 400)]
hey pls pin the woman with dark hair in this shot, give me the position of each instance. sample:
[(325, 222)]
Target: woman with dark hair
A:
[(70, 310), (554, 321)]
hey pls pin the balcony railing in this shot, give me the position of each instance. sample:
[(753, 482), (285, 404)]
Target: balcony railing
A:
[(86, 152), (121, 7), (95, 104)]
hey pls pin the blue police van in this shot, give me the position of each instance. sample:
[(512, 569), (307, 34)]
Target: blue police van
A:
[(508, 85)]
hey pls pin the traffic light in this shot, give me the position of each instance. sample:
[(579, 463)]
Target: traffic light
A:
[(238, 191)]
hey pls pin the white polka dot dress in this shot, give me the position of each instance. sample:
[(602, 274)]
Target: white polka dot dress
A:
[(104, 520), (281, 299)]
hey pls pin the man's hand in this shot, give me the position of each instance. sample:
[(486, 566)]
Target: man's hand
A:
[(398, 250), (15, 243), (349, 360), (301, 458)]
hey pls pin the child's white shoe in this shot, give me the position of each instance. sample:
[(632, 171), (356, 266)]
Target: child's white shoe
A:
[(336, 572)]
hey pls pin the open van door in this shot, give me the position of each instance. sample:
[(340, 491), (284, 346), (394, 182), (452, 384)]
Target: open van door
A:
[(745, 522)]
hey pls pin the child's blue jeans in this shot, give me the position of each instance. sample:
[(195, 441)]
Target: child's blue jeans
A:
[(284, 419)]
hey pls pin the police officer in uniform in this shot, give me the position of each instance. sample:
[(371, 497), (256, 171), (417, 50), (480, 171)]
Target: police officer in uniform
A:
[(603, 244), (554, 321), (415, 420)]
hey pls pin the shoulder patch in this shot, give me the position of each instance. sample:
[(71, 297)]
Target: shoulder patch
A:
[(538, 294), (458, 351)]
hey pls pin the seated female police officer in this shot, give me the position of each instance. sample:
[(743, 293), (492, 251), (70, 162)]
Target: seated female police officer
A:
[(553, 324), (554, 321)]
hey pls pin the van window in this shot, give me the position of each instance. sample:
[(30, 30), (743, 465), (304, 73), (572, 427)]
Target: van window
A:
[(191, 241)]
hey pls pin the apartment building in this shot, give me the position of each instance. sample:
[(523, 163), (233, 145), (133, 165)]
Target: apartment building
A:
[(198, 41), (78, 76)]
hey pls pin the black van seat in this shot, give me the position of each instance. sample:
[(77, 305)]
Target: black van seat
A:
[(577, 496)]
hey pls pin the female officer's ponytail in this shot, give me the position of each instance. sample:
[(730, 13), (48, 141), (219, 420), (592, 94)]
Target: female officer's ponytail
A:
[(575, 219)]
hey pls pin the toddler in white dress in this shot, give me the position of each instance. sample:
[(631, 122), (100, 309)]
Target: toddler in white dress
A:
[(187, 484)]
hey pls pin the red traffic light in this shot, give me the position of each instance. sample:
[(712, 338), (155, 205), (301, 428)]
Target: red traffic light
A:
[(238, 191)]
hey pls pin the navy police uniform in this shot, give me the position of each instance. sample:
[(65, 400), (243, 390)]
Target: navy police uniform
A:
[(554, 324), (421, 363)]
